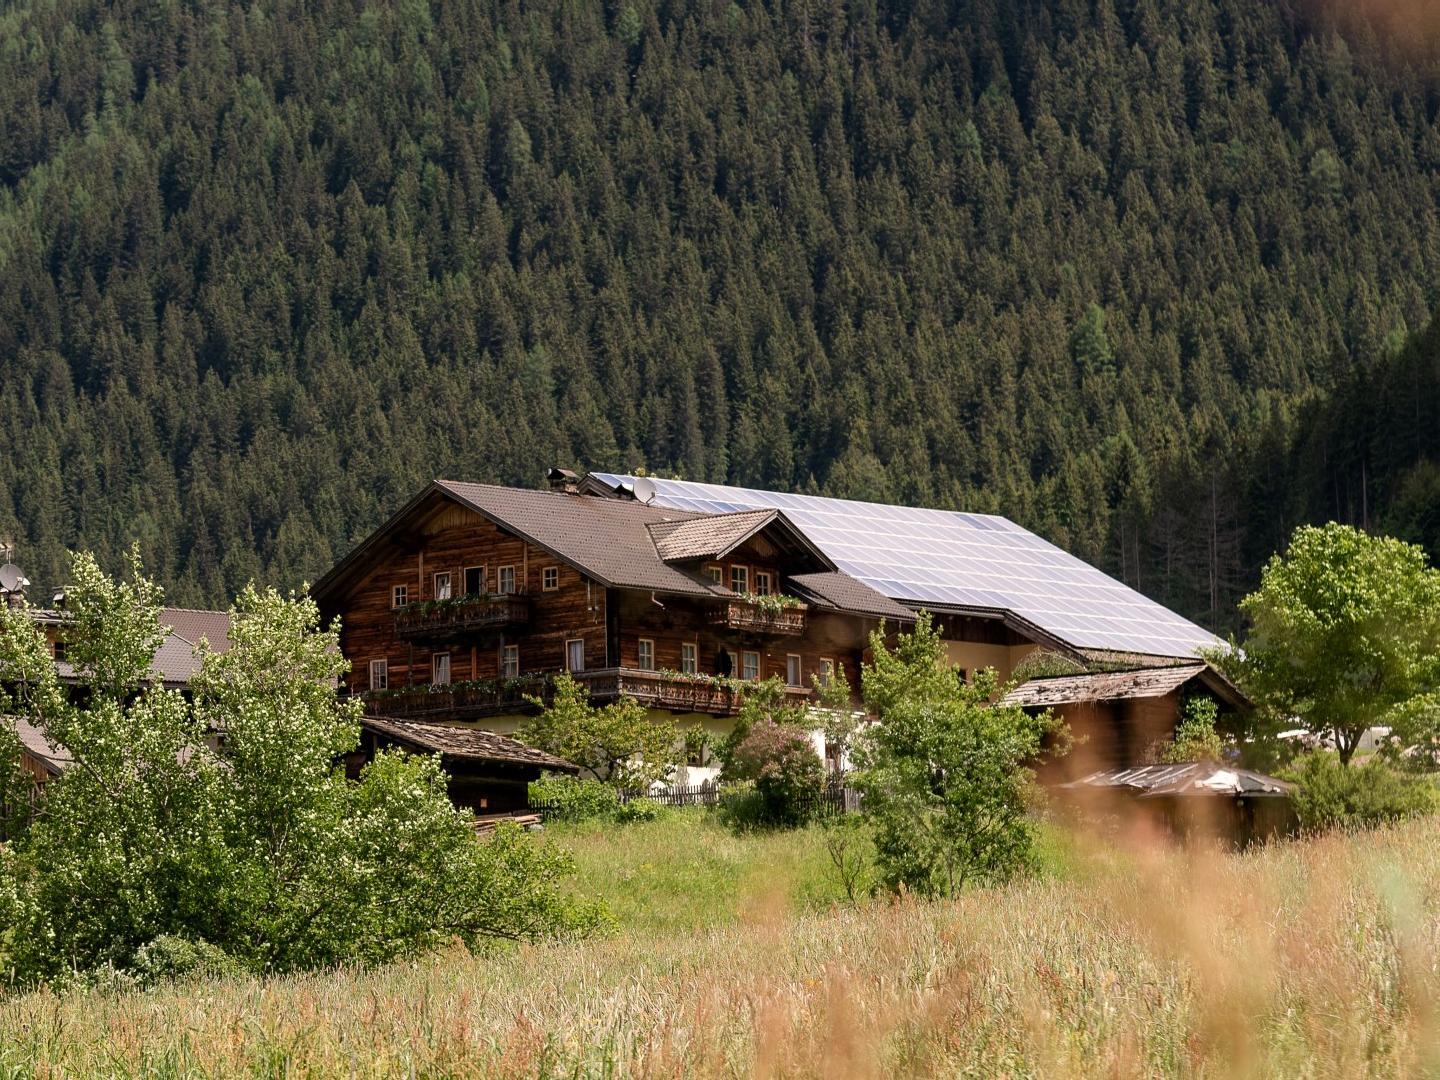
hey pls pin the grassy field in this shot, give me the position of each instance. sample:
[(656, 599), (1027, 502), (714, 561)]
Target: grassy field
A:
[(732, 958)]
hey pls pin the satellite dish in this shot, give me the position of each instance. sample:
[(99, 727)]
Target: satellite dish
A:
[(644, 489), (11, 579)]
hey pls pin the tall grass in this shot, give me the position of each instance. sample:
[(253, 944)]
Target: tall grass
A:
[(1317, 958)]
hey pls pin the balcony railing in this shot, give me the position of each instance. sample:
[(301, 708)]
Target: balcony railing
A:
[(457, 701), (464, 614), (748, 616), (672, 690), (497, 697)]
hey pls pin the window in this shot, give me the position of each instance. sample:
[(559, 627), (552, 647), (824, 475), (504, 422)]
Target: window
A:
[(442, 586), (379, 674), (827, 669), (689, 658), (762, 583), (575, 654), (440, 669), (474, 580), (510, 662), (740, 579), (647, 654), (715, 573), (59, 650), (400, 596), (550, 578), (506, 580), (750, 665), (792, 670)]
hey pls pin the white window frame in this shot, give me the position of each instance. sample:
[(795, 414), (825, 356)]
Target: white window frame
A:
[(740, 579), (380, 674), (569, 657), (550, 578), (500, 575), (440, 668), (763, 582), (399, 595), (689, 658), (484, 579), (745, 658), (716, 573), (827, 670), (444, 583), (510, 661), (794, 661), (643, 646)]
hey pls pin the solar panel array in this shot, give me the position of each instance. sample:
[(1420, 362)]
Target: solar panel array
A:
[(945, 559)]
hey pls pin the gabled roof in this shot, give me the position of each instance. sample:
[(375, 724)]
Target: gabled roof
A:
[(465, 744), (1148, 682), (1191, 779), (952, 562), (709, 537), (53, 757), (175, 661), (835, 591)]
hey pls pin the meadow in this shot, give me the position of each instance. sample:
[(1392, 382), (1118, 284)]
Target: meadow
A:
[(734, 955)]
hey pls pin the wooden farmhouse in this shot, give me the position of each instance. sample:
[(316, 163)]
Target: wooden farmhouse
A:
[(472, 598)]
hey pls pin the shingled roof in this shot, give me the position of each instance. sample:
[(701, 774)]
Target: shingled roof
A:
[(1119, 685), (708, 537), (836, 591), (465, 744)]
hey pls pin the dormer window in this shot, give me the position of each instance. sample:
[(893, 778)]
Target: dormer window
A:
[(740, 579)]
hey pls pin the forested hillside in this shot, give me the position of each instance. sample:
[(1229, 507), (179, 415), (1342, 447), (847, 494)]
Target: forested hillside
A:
[(1119, 269)]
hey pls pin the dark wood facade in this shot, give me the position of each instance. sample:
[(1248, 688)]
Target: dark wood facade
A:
[(502, 647)]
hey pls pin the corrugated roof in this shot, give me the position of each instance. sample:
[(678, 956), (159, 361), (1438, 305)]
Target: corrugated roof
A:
[(944, 560), (707, 537), (1103, 686), (838, 591), (471, 744), (1191, 779)]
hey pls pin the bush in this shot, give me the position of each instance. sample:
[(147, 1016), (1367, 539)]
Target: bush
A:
[(568, 798), (1333, 795), (786, 769), (637, 810), (169, 958)]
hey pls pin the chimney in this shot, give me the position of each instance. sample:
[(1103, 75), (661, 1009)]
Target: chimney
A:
[(565, 481)]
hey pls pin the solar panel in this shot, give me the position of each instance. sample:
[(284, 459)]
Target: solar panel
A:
[(948, 559)]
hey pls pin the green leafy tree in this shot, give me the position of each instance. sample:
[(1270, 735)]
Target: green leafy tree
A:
[(620, 743), (943, 771), (1345, 635), (1195, 736), (227, 821)]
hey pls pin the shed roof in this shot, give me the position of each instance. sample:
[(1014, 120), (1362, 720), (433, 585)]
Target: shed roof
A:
[(838, 591), (1190, 779), (465, 744)]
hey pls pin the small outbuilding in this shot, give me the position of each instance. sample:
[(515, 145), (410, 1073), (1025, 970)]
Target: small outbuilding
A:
[(488, 773), (1240, 804)]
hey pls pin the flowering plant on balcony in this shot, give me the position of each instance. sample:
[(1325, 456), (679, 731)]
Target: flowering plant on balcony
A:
[(452, 603), (773, 603)]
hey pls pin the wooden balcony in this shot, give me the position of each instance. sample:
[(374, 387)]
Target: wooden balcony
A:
[(439, 619), (748, 617), (459, 701), (501, 697), (669, 690)]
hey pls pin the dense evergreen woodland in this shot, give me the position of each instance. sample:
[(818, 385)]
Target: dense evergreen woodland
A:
[(1138, 273)]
